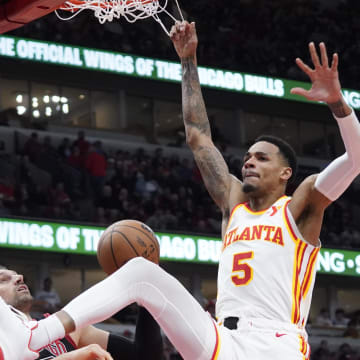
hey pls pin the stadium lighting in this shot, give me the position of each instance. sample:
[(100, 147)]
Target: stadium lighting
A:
[(65, 108), (21, 109), (48, 111)]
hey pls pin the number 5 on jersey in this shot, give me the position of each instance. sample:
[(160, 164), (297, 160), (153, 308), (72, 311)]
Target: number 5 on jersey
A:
[(242, 271)]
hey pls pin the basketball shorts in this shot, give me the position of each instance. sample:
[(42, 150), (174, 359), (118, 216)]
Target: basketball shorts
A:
[(252, 340)]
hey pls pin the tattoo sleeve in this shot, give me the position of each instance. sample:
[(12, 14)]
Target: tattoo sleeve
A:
[(211, 163), (194, 110)]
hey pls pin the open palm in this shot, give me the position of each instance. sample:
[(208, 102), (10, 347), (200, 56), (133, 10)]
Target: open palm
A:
[(325, 79)]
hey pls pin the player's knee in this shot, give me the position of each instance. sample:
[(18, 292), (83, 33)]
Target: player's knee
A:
[(141, 262), (139, 269)]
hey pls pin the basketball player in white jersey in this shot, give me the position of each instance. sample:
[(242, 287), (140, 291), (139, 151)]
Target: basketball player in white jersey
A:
[(15, 337), (270, 242), (53, 336)]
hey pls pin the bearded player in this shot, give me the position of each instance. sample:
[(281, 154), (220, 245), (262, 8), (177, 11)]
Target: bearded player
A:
[(92, 341)]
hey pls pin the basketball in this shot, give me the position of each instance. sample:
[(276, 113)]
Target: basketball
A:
[(125, 240)]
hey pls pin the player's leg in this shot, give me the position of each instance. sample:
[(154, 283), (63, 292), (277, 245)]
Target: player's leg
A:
[(257, 344), (290, 346), (183, 320)]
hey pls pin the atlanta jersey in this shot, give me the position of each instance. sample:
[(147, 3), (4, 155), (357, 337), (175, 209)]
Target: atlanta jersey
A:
[(57, 348), (266, 269)]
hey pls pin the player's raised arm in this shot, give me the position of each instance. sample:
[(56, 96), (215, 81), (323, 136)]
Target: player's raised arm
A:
[(335, 179), (211, 163)]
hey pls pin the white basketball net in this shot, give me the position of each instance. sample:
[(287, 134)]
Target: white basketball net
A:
[(131, 10)]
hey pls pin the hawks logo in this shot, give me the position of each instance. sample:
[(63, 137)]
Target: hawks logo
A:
[(274, 210)]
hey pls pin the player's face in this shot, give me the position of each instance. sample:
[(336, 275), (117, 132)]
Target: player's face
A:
[(263, 168), (13, 289)]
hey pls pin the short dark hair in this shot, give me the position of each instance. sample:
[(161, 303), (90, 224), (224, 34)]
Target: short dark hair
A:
[(285, 149)]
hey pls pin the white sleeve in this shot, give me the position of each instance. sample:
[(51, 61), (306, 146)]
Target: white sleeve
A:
[(339, 174), (45, 332), (15, 335)]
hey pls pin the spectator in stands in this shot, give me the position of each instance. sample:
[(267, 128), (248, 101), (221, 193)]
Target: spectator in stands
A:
[(340, 319), (82, 144), (96, 166), (113, 215), (156, 220), (47, 299), (64, 149), (323, 319), (172, 187), (352, 330), (350, 237), (322, 352), (140, 184), (345, 352), (58, 195), (110, 169), (75, 159), (100, 216), (170, 220), (48, 147), (106, 200), (32, 147), (7, 190)]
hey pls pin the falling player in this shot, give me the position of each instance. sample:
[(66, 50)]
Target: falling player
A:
[(16, 294), (15, 334)]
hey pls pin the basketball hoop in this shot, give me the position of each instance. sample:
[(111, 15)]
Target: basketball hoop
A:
[(131, 10)]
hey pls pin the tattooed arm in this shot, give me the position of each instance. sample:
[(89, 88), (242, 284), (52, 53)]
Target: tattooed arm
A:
[(211, 163)]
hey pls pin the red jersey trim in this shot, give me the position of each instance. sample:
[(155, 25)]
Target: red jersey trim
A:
[(292, 232), (217, 344)]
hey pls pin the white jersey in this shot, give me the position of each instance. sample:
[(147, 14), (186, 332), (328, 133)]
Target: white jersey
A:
[(15, 334), (266, 269)]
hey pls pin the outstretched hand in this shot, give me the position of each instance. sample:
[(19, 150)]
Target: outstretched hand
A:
[(184, 37), (324, 78)]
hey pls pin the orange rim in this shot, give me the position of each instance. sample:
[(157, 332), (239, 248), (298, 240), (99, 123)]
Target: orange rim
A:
[(78, 4)]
